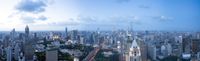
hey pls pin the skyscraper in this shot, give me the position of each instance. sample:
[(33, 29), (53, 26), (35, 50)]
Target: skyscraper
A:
[(134, 52), (128, 41), (26, 30), (9, 53), (51, 55), (12, 34), (66, 32), (21, 57)]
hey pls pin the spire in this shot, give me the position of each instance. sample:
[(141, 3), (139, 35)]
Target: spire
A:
[(134, 44), (134, 52), (27, 30)]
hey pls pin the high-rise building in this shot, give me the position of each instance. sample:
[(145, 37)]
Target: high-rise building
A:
[(128, 41), (74, 35), (198, 56), (12, 34), (1, 50), (66, 32), (195, 45), (21, 57), (119, 46), (152, 51), (169, 49), (134, 52), (179, 43), (81, 40), (35, 35), (186, 45), (16, 51), (35, 58), (27, 31), (76, 59), (143, 50), (198, 35), (9, 53), (52, 55), (179, 39), (92, 38), (28, 51)]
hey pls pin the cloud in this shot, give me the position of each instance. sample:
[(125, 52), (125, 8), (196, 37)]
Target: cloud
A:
[(87, 22), (79, 20), (32, 6), (27, 19), (109, 21), (28, 10), (144, 6), (43, 18), (114, 20), (163, 18), (86, 19), (123, 1), (68, 22), (125, 19), (32, 19)]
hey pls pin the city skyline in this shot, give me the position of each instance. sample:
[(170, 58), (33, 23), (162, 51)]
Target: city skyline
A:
[(158, 15), (99, 30)]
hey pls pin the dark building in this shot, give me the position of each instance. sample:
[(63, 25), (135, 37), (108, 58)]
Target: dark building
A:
[(66, 32), (27, 31), (195, 45), (186, 45)]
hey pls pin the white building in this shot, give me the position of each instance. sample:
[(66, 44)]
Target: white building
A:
[(169, 49), (81, 40), (134, 53), (118, 46), (21, 57), (76, 59), (163, 50)]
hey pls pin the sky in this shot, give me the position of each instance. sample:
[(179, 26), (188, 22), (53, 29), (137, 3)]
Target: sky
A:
[(159, 15)]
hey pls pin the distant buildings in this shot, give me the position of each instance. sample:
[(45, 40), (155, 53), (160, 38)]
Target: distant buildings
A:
[(127, 46)]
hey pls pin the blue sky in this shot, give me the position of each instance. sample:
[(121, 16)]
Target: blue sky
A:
[(161, 15)]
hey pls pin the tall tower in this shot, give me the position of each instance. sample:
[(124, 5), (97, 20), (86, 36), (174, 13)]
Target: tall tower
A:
[(26, 30), (12, 33), (66, 32)]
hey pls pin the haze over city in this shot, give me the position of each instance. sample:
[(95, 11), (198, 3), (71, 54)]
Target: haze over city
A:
[(99, 30), (157, 15)]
